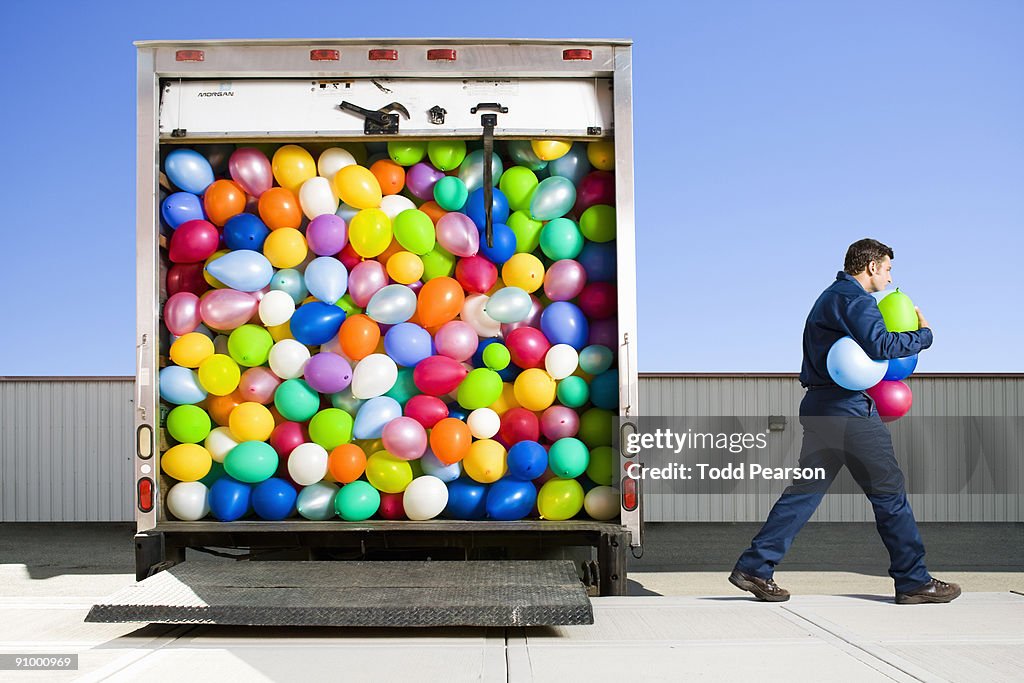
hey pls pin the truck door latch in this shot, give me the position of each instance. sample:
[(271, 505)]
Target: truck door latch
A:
[(489, 122), (382, 121), (436, 114)]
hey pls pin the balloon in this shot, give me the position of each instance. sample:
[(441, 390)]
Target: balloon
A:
[(424, 498), (435, 468), (316, 197), (290, 281), (316, 323), (181, 207), (561, 361), (251, 462), (373, 415), (193, 241), (405, 268), (522, 153), (598, 300), (393, 205), (392, 304), (531, 320), (602, 503), (327, 279), (186, 278), (898, 312), (279, 208), (219, 374), (390, 176), (564, 323), (292, 165), (437, 263), (446, 155), (604, 390), (258, 384), (561, 239), (181, 386), (598, 223), (479, 389), (188, 170), (359, 335), (564, 280), (330, 428), (188, 501), (474, 312), (274, 499), (414, 231), (457, 233), (603, 333), (440, 301), (186, 462), (369, 232), (601, 469), (549, 150), (450, 440), (365, 280), (427, 410), (405, 438), (357, 187), (851, 368), (573, 165), (596, 188), (307, 464), (229, 499), (407, 152), (496, 356), (328, 373), (595, 359), (467, 499), (509, 304), (527, 231), (357, 501), (471, 170), (245, 231), (517, 185), (285, 248), (222, 200), (296, 400), (326, 235), (387, 473), (527, 460), (420, 180), (504, 244), (332, 160), (450, 193), (560, 499), (892, 399), (509, 499), (596, 426), (524, 271), (485, 461), (476, 274), (346, 463), (553, 198), (528, 347), (899, 368), (287, 358), (438, 375), (534, 389), (317, 501), (251, 421), (601, 153), (191, 349), (244, 270), (568, 458), (573, 392), (276, 308), (288, 436), (483, 423), (250, 168), (188, 424), (475, 208), (407, 344)]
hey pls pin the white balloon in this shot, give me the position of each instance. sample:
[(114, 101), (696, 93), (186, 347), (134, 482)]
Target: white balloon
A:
[(483, 423), (307, 464), (424, 498), (601, 503), (333, 160), (394, 204), (189, 500), (509, 305), (561, 361), (474, 312), (288, 359), (276, 307), (317, 198), (219, 442), (373, 376)]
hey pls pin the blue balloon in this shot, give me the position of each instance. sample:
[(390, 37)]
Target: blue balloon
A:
[(901, 368), (373, 415), (598, 260), (188, 170), (327, 279), (245, 231), (229, 499), (510, 499), (467, 499), (274, 499), (180, 386), (316, 323), (435, 468), (573, 165), (475, 207), (408, 344), (562, 322), (527, 460), (604, 390), (291, 282), (244, 270), (180, 207), (457, 411), (504, 244)]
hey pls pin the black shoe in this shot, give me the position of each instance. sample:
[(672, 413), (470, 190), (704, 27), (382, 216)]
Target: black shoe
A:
[(933, 591), (763, 589)]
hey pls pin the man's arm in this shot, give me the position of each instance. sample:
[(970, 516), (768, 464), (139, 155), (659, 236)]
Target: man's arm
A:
[(867, 328)]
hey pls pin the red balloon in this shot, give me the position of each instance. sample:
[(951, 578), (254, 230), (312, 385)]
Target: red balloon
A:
[(892, 399), (476, 274), (427, 410), (518, 424), (391, 506), (527, 346), (186, 277), (349, 258), (194, 241), (597, 187), (287, 436), (438, 375), (598, 300)]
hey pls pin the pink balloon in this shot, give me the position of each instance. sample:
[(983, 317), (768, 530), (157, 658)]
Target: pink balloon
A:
[(391, 506), (892, 399), (427, 410), (421, 178), (558, 422), (287, 436), (527, 346), (226, 309), (457, 233), (532, 320), (456, 339), (564, 280), (476, 274), (365, 280), (259, 384), (181, 313), (195, 241), (597, 187), (438, 375), (250, 168), (405, 438), (326, 234)]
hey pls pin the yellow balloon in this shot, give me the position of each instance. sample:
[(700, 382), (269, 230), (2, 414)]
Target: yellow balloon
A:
[(186, 462), (292, 166), (189, 350), (506, 401), (549, 150), (602, 155), (211, 280), (251, 421), (485, 462), (369, 232), (357, 187), (219, 374), (387, 473), (285, 248), (535, 389), (524, 271), (404, 267), (282, 331)]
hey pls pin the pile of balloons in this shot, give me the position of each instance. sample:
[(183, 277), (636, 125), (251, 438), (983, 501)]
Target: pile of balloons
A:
[(346, 343), (851, 368)]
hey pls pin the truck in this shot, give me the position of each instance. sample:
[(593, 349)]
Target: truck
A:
[(209, 96)]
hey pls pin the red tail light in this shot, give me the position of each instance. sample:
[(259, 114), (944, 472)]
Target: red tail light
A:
[(386, 55), (577, 54), (145, 494), (629, 494), (324, 55), (189, 56), (442, 54)]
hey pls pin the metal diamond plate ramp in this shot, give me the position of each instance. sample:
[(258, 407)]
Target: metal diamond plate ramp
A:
[(400, 594)]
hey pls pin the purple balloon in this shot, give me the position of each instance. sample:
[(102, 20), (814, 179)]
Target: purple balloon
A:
[(405, 438), (327, 373), (181, 313), (456, 339), (457, 233), (250, 168), (326, 235), (559, 422), (421, 178), (365, 280), (532, 320), (564, 280), (604, 332), (226, 309)]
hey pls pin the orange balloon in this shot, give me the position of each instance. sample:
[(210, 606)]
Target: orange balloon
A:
[(390, 175), (440, 300), (450, 440), (222, 200), (346, 463), (358, 336), (220, 407), (433, 210), (392, 249), (280, 209)]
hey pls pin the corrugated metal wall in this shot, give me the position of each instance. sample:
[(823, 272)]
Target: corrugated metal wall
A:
[(65, 449), (941, 454)]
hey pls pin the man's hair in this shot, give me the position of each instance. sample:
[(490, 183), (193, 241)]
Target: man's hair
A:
[(862, 252)]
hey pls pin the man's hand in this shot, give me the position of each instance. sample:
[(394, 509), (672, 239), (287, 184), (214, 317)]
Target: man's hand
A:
[(921, 320)]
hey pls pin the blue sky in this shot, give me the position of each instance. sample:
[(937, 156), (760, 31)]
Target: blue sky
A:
[(768, 137)]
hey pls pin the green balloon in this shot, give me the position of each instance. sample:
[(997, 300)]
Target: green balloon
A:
[(601, 469), (450, 193), (496, 356), (357, 501), (188, 424), (404, 387), (527, 231), (898, 312), (251, 461), (573, 392), (596, 427), (518, 184), (330, 428), (568, 457), (598, 223), (346, 304), (479, 389), (249, 345), (437, 263), (446, 155), (414, 231), (561, 239), (296, 400), (595, 359), (215, 473), (407, 152), (560, 499)]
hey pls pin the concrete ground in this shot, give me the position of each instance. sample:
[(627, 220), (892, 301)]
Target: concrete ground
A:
[(684, 620)]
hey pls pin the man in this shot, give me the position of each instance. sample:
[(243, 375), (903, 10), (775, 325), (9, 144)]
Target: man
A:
[(842, 427)]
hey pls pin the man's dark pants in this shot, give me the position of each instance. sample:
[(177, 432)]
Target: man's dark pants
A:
[(860, 441)]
